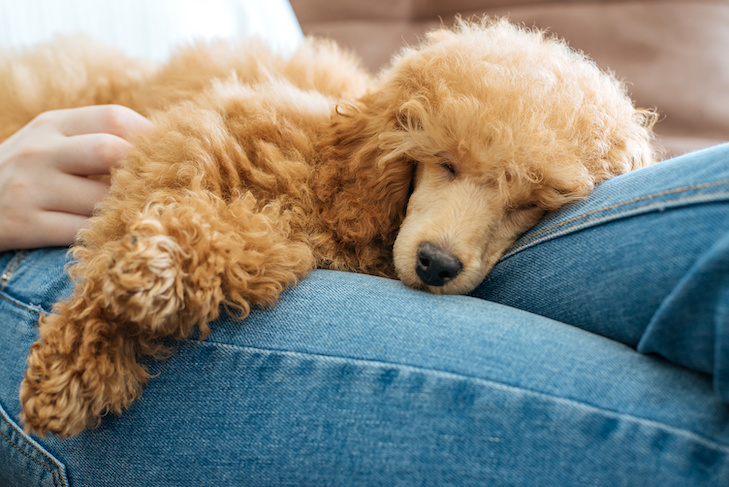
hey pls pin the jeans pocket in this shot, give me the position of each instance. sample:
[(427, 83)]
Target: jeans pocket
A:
[(36, 279), (25, 462)]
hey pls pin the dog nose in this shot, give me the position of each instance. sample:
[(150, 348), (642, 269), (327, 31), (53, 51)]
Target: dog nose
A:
[(435, 266)]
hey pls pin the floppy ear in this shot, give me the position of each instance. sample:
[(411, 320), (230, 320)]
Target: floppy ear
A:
[(629, 147), (572, 183), (362, 187), (630, 144)]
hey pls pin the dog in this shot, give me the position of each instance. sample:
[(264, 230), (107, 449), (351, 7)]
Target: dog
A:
[(261, 168)]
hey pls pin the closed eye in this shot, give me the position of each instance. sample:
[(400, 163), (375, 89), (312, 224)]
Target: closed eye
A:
[(524, 207), (449, 167)]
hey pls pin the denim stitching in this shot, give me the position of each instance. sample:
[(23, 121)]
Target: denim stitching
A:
[(611, 215), (12, 267), (532, 238), (41, 452), (647, 207), (634, 200), (29, 457), (20, 305), (46, 467)]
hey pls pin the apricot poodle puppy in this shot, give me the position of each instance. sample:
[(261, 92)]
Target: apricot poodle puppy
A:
[(261, 168)]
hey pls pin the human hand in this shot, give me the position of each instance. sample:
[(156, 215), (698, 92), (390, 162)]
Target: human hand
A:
[(45, 192)]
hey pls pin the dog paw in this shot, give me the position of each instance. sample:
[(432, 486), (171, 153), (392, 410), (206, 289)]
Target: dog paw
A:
[(54, 406), (64, 405), (78, 372), (145, 280), (165, 276), (52, 394)]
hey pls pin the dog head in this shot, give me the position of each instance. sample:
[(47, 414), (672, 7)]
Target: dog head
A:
[(503, 125), (478, 132)]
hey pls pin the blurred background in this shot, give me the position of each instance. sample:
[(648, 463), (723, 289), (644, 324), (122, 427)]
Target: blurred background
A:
[(672, 54)]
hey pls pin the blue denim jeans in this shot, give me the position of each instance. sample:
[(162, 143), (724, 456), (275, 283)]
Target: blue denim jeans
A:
[(596, 353)]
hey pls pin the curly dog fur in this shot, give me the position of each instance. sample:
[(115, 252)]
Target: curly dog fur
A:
[(261, 168)]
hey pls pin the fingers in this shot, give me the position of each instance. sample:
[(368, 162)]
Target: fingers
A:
[(83, 141), (40, 215), (73, 194), (96, 137), (90, 154), (60, 228), (39, 229), (107, 119)]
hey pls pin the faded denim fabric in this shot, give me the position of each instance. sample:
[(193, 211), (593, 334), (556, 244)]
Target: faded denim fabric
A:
[(644, 261), (356, 380)]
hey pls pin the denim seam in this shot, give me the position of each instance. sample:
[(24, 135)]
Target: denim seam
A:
[(641, 198), (545, 234), (54, 474), (29, 457), (616, 215), (20, 305), (573, 402), (12, 267)]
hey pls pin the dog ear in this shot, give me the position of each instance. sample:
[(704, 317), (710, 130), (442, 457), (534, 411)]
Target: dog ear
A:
[(362, 188), (560, 187), (630, 147)]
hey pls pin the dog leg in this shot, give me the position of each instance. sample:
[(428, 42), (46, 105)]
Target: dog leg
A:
[(79, 370), (180, 261)]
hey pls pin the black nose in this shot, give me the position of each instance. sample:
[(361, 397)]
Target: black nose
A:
[(435, 266)]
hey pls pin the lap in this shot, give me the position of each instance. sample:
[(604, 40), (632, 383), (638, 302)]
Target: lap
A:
[(354, 379)]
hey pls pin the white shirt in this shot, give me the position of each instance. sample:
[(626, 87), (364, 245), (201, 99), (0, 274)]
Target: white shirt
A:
[(148, 28)]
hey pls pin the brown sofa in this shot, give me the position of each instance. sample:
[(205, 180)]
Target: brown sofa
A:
[(674, 54)]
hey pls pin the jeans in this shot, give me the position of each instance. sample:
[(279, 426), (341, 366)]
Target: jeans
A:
[(595, 353)]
